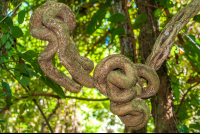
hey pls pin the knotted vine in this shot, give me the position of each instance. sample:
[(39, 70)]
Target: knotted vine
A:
[(115, 76)]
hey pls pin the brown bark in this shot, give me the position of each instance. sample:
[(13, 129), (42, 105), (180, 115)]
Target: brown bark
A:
[(146, 37), (166, 38), (162, 110), (127, 44), (149, 30), (162, 105)]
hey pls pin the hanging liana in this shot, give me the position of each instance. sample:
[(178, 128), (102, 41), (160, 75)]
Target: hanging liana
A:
[(115, 76)]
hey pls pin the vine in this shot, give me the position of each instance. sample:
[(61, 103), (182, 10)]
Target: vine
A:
[(115, 76)]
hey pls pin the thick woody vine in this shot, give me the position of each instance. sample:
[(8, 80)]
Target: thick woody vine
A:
[(115, 76)]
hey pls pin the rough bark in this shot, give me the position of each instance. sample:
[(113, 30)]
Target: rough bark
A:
[(162, 105), (162, 110), (127, 44), (149, 30), (165, 40)]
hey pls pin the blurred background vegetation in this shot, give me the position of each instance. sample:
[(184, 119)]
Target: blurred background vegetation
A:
[(24, 89)]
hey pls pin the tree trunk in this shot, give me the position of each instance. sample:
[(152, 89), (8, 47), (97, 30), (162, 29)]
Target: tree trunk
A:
[(162, 104), (127, 44), (162, 110)]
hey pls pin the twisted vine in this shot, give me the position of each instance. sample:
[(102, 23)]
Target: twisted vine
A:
[(118, 78), (54, 22), (115, 76)]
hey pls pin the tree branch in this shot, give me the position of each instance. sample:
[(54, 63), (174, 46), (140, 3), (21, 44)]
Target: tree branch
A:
[(182, 100), (71, 97), (12, 11), (33, 101), (40, 109), (50, 116), (127, 44), (51, 95), (166, 39)]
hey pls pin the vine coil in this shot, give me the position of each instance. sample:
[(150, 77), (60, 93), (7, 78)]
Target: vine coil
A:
[(115, 76)]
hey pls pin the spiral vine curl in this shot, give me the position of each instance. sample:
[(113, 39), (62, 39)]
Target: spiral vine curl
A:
[(115, 76)]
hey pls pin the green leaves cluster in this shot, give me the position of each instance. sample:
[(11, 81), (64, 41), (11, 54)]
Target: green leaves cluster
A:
[(192, 51), (97, 19), (23, 73), (197, 18)]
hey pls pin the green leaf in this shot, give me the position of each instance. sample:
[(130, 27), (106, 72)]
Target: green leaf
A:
[(194, 102), (28, 55), (169, 4), (182, 113), (2, 126), (157, 12), (195, 126), (118, 17), (94, 0), (9, 21), (4, 38), (141, 18), (21, 16), (108, 1), (7, 94), (31, 72), (183, 128), (8, 45), (36, 66), (7, 88), (176, 92), (56, 88), (4, 29), (16, 32), (117, 31), (20, 67), (24, 80), (136, 26), (96, 19), (197, 18), (2, 94), (5, 24), (162, 2)]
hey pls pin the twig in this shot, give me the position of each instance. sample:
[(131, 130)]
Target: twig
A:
[(51, 115), (15, 78), (34, 100), (71, 97), (51, 95), (12, 11), (182, 100)]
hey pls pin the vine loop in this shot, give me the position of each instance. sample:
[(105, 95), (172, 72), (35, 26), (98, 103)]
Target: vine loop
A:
[(119, 79), (54, 21), (115, 76)]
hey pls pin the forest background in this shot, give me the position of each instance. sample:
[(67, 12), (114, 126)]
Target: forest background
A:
[(103, 28)]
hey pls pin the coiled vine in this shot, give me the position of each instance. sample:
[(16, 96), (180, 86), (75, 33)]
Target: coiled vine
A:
[(115, 76)]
